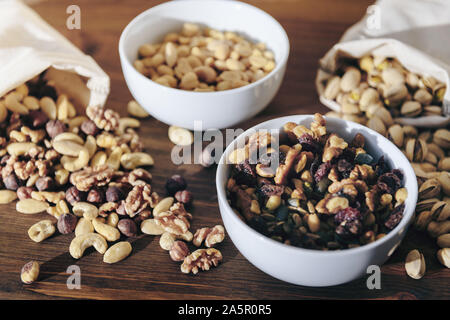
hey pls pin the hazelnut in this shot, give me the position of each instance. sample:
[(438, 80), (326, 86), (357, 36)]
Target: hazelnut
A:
[(114, 194), (67, 223), (45, 183), (179, 251), (174, 184), (184, 197), (11, 182), (29, 272), (73, 195), (95, 196), (89, 127), (127, 227), (121, 209), (37, 118), (24, 193), (55, 127)]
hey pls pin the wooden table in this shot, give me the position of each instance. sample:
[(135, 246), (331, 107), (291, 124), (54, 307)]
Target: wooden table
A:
[(313, 27)]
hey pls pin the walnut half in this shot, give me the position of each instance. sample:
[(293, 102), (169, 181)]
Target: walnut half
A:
[(201, 259)]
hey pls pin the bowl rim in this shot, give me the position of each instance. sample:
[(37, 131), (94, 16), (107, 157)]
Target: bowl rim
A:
[(403, 225), (136, 20)]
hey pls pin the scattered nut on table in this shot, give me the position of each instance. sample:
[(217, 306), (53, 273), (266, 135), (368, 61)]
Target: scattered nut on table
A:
[(415, 264), (30, 272)]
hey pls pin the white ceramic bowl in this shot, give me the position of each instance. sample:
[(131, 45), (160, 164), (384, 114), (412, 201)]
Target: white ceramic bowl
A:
[(216, 109), (312, 267)]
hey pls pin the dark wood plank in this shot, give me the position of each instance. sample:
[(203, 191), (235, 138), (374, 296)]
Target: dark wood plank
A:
[(313, 27)]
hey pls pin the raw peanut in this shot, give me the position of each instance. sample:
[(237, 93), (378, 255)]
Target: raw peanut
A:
[(70, 136), (415, 264), (167, 240), (112, 220), (30, 272), (108, 232), (7, 196), (170, 54), (31, 206), (149, 226), (99, 158), (41, 230), (12, 103), (133, 160), (163, 206), (117, 252), (63, 107), (84, 226), (49, 107), (80, 243), (136, 110), (180, 136)]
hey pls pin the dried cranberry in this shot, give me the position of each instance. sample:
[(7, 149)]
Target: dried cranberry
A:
[(322, 171), (347, 214), (268, 190), (389, 182), (395, 217), (309, 143)]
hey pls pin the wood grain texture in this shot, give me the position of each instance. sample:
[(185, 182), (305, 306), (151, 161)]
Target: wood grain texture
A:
[(313, 27)]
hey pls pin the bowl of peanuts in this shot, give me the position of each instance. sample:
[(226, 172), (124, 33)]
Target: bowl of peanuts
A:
[(219, 62), (315, 200)]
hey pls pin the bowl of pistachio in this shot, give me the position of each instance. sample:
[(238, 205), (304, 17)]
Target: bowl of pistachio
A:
[(315, 201)]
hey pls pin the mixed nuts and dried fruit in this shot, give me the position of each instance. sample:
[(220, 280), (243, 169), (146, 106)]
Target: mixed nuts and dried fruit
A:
[(372, 90), (204, 60), (326, 193), (87, 172)]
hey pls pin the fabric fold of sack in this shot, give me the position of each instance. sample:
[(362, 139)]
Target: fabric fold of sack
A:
[(412, 31), (29, 46)]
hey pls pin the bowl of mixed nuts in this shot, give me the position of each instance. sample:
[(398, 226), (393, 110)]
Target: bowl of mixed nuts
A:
[(315, 201), (218, 61)]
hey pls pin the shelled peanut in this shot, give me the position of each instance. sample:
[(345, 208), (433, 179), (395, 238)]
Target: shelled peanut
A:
[(372, 90), (204, 60)]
